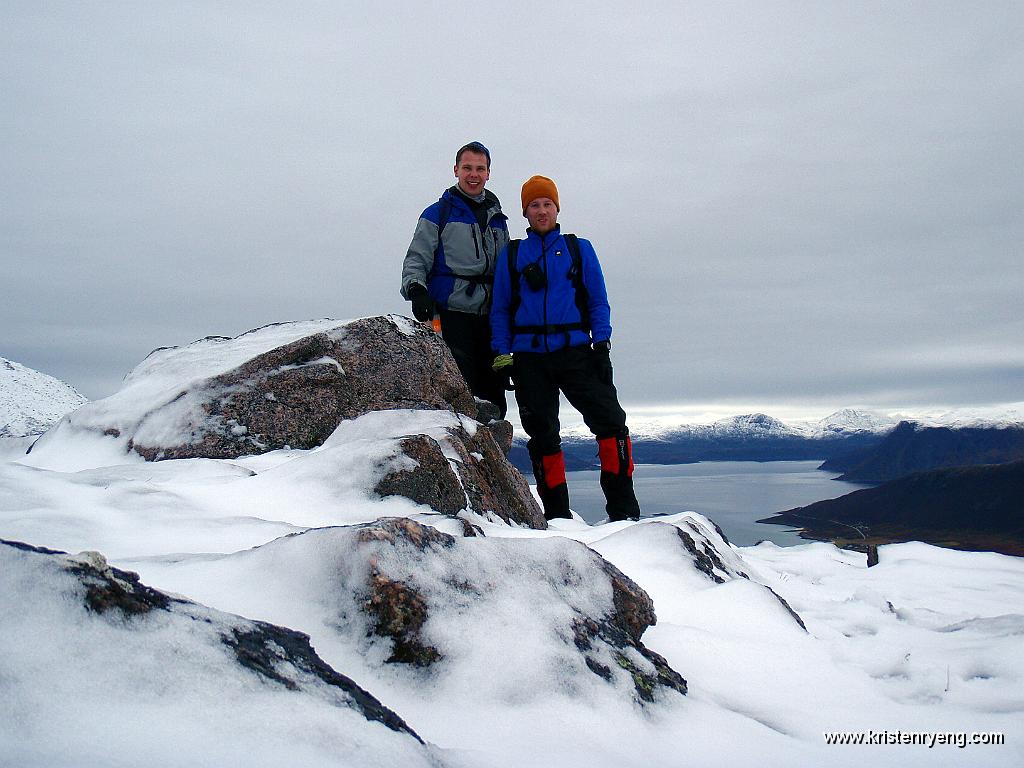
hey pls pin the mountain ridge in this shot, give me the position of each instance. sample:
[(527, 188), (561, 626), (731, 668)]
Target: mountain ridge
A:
[(964, 507), (912, 447), (31, 401)]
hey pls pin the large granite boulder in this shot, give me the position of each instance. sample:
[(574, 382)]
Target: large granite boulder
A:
[(296, 394), (291, 385)]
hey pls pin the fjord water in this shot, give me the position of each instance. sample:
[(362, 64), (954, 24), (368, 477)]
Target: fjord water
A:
[(735, 494)]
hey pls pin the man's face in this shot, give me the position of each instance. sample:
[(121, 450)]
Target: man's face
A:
[(472, 172), (542, 214)]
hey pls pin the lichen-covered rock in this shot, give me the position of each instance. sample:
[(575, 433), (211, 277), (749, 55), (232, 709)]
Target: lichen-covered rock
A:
[(634, 613), (396, 609)]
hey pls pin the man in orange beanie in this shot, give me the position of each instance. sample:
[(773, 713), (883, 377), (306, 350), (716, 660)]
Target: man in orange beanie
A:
[(551, 330)]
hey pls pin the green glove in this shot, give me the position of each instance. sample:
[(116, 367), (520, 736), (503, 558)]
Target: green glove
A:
[(501, 362)]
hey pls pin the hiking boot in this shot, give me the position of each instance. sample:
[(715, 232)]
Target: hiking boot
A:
[(556, 502), (621, 503)]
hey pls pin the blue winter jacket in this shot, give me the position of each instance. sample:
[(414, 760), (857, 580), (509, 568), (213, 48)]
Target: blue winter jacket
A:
[(465, 249), (555, 304)]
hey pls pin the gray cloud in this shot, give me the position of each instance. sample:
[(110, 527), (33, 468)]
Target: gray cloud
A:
[(793, 202)]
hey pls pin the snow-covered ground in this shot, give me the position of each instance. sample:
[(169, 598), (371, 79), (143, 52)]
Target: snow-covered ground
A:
[(927, 642)]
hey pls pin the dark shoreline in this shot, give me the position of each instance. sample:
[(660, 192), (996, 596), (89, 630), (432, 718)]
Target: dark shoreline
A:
[(859, 538)]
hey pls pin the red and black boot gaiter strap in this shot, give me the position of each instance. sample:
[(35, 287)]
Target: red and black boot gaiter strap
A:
[(616, 455)]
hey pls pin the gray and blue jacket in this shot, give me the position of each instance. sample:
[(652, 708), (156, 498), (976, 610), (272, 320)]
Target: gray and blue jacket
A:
[(458, 271), (538, 323)]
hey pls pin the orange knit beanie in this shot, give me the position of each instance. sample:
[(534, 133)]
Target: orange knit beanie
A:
[(539, 186)]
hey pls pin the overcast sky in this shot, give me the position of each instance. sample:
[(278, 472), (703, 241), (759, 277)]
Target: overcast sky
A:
[(814, 204)]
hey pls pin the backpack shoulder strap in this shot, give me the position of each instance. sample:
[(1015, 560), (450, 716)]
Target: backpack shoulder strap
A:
[(444, 212), (513, 275), (582, 297)]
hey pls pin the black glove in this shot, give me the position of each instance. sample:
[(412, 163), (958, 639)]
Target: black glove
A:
[(422, 304), (603, 361)]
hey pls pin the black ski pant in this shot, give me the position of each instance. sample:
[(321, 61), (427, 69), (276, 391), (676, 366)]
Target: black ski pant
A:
[(583, 376), (468, 336)]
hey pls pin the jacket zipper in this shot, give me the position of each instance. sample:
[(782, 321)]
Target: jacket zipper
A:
[(544, 256)]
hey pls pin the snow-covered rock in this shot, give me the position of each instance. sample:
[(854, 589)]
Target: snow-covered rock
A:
[(97, 668), (402, 603), (31, 402)]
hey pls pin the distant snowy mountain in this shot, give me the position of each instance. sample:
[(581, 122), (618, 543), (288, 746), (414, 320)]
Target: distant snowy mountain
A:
[(842, 423), (747, 437), (760, 437), (752, 425), (845, 422), (998, 417), (849, 421), (31, 402)]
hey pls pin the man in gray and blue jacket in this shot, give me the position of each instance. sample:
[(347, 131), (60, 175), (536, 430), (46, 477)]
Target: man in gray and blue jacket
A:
[(449, 267)]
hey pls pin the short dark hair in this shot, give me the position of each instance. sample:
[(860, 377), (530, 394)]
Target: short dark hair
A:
[(474, 146)]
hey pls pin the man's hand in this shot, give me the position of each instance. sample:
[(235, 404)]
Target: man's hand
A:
[(502, 366), (422, 304)]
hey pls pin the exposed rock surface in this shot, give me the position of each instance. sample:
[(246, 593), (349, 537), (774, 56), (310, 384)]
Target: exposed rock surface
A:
[(295, 395), (705, 557), (131, 610), (428, 479), (469, 471)]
